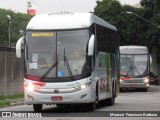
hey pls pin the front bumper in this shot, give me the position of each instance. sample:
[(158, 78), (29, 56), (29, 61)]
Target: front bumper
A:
[(134, 85), (82, 96)]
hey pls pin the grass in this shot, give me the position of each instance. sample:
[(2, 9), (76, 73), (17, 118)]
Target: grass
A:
[(4, 103), (12, 96), (4, 100)]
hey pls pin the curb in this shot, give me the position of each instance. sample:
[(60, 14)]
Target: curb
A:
[(16, 104), (12, 102)]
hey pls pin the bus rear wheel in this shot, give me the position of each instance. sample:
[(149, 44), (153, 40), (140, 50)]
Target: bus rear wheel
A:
[(111, 100), (37, 107)]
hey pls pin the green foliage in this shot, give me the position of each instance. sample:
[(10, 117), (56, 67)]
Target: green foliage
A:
[(147, 3), (132, 29), (19, 22), (4, 103), (106, 9), (114, 13), (12, 96), (152, 10), (6, 100)]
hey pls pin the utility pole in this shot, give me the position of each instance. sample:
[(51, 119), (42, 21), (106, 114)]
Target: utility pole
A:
[(9, 30)]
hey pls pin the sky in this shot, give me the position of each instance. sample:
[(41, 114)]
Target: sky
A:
[(49, 6)]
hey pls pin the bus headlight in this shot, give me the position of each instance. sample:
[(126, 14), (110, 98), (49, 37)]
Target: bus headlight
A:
[(146, 80), (121, 81), (30, 87), (83, 86), (33, 86)]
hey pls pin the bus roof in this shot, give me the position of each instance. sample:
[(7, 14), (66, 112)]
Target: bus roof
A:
[(133, 49), (54, 21)]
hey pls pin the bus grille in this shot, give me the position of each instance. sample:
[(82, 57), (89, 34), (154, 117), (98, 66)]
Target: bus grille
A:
[(133, 81)]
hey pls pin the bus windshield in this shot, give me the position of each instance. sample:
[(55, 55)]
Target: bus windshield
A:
[(45, 48), (134, 65)]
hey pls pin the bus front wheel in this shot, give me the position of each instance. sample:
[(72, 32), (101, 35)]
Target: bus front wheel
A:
[(37, 107), (145, 90), (91, 106)]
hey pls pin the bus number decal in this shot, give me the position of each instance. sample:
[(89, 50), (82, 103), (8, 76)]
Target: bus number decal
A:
[(44, 34)]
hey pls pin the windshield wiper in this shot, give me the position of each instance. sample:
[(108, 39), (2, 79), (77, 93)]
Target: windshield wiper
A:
[(48, 71), (132, 68), (67, 64), (137, 71), (128, 71)]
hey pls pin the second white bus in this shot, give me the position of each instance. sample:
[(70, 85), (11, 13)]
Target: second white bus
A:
[(134, 67)]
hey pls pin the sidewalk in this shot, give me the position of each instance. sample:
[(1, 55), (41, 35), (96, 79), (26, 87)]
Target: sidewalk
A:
[(17, 101)]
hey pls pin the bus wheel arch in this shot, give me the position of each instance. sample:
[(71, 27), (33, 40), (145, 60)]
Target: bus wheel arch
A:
[(91, 106), (37, 107), (111, 101), (97, 95)]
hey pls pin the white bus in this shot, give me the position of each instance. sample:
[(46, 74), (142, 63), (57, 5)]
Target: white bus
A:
[(134, 67), (55, 74)]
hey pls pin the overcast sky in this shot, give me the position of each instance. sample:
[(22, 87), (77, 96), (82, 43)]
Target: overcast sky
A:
[(48, 6)]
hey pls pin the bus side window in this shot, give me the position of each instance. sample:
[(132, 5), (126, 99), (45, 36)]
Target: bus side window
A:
[(102, 60)]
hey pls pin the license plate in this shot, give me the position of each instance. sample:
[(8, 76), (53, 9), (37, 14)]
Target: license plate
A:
[(56, 98)]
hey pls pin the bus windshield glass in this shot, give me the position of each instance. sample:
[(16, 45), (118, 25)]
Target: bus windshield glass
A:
[(134, 65), (66, 48)]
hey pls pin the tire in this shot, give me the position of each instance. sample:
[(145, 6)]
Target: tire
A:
[(63, 105), (37, 107), (122, 90), (59, 105), (111, 100), (103, 102), (145, 90), (91, 106), (156, 82)]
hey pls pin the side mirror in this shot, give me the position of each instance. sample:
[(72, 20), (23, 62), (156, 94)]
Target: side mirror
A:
[(91, 45), (19, 44), (150, 59)]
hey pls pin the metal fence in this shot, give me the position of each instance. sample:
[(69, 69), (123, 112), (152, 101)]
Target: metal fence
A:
[(11, 72)]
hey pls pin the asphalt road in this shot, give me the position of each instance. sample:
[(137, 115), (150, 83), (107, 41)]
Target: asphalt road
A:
[(126, 103)]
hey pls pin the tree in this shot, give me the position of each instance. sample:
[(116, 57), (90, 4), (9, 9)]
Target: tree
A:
[(129, 27), (147, 3), (19, 21), (152, 10)]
